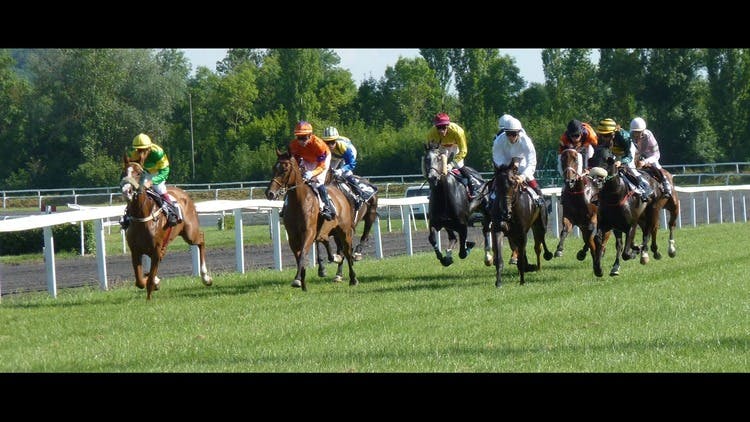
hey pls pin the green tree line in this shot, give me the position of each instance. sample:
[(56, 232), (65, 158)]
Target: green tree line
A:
[(67, 115)]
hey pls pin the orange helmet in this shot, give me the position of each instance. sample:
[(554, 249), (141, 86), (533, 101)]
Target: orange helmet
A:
[(441, 119), (303, 128)]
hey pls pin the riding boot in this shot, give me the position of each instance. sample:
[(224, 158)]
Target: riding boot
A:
[(667, 188), (169, 210), (540, 199), (329, 212), (467, 180), (646, 189), (358, 194), (125, 222)]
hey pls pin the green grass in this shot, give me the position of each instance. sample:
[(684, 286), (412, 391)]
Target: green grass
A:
[(408, 314)]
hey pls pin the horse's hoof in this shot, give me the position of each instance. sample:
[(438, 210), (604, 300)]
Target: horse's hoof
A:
[(353, 282), (488, 259), (547, 256), (598, 272), (470, 245), (558, 254), (672, 254), (207, 280), (357, 256), (581, 255), (644, 259), (296, 283), (513, 261), (657, 255), (338, 258), (498, 284), (338, 279), (321, 272), (463, 254), (447, 261), (614, 272)]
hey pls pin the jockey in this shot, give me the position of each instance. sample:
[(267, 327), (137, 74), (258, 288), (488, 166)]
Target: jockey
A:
[(621, 146), (648, 153), (452, 138), (580, 137), (514, 142), (156, 164), (315, 160), (344, 161)]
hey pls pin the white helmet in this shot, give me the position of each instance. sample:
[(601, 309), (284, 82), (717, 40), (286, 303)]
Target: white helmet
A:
[(502, 123), (637, 124), (330, 133), (513, 124)]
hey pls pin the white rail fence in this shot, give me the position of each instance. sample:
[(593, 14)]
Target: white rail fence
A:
[(697, 198)]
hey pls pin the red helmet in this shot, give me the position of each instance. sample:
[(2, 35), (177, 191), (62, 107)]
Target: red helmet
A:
[(303, 128), (441, 119)]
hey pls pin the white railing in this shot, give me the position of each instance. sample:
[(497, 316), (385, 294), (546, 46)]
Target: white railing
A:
[(101, 215)]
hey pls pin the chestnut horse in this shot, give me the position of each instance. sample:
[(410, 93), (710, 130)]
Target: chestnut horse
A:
[(650, 217), (514, 212), (367, 212), (302, 219), (450, 208), (577, 208), (148, 234)]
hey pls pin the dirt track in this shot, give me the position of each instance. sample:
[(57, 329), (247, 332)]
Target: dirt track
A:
[(82, 271)]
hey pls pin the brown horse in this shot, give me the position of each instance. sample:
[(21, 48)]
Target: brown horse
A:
[(148, 234), (650, 218), (367, 212), (620, 209), (302, 219), (513, 214), (577, 208)]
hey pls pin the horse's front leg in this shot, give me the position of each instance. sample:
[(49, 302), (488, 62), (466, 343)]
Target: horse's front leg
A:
[(618, 252), (488, 255), (320, 246), (432, 237), (452, 241), (627, 251), (497, 252), (464, 246), (137, 260), (153, 281), (566, 227)]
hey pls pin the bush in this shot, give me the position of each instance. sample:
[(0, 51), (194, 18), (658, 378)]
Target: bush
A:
[(67, 238)]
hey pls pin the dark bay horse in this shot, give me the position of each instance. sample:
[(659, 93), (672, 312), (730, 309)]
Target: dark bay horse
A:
[(450, 208), (620, 210), (302, 219), (650, 218), (577, 208), (147, 233), (513, 214), (368, 213)]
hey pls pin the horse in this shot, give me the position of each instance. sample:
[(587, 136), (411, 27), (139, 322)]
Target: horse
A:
[(650, 218), (367, 212), (620, 209), (302, 219), (513, 214), (148, 234), (450, 207), (577, 208)]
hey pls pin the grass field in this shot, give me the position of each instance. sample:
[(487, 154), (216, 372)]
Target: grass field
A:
[(408, 314)]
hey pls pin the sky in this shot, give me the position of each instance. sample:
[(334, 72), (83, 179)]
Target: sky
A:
[(371, 62)]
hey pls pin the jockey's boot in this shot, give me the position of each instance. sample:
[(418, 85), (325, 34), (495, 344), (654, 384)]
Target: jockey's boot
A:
[(329, 212), (169, 210), (125, 222), (467, 180), (358, 194), (667, 188), (646, 189), (540, 197)]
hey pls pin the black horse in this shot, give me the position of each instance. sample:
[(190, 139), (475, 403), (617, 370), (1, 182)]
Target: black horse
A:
[(514, 212), (450, 207), (619, 210)]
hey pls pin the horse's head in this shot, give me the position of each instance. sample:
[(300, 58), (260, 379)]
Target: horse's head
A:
[(571, 164), (434, 163), (131, 179), (506, 186), (286, 173)]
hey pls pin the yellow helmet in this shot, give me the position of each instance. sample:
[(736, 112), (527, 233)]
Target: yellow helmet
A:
[(142, 141), (606, 126)]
